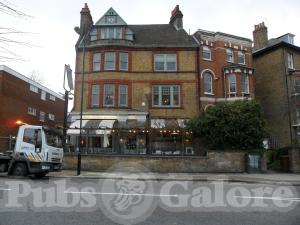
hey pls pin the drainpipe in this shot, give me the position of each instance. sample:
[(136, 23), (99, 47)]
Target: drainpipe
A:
[(198, 77), (287, 95)]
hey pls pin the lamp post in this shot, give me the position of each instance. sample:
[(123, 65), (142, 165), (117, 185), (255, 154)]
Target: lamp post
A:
[(81, 107)]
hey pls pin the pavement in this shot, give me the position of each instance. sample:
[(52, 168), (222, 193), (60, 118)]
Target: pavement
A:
[(264, 178)]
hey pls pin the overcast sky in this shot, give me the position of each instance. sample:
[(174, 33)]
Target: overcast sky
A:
[(53, 21)]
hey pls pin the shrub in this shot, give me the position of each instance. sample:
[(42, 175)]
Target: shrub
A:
[(230, 125)]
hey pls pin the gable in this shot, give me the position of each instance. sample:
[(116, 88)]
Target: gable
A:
[(111, 17)]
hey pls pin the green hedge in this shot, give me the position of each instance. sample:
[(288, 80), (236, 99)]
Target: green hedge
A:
[(237, 125)]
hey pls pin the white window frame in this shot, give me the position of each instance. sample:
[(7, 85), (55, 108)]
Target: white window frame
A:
[(51, 116), (243, 83), (42, 116), (96, 61), (104, 95), (207, 50), (229, 55), (93, 35), (164, 59), (105, 61), (296, 87), (95, 95), (211, 83), (241, 55), (231, 94), (31, 111), (34, 88), (120, 61), (125, 93), (43, 95), (52, 97), (160, 105), (105, 33), (290, 60)]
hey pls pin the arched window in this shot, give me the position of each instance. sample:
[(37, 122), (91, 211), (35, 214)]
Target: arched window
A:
[(208, 82), (232, 85)]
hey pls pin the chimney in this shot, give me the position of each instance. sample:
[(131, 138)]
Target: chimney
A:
[(260, 36), (176, 18), (86, 20)]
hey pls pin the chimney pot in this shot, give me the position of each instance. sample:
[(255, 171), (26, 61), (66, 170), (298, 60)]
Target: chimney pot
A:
[(176, 18), (260, 36)]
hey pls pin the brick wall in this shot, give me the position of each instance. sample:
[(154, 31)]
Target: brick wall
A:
[(15, 98), (226, 162), (270, 91), (140, 78)]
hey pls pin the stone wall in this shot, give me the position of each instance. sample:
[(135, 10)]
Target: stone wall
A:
[(294, 156), (215, 161)]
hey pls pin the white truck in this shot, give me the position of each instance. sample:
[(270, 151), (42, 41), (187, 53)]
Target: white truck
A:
[(38, 151)]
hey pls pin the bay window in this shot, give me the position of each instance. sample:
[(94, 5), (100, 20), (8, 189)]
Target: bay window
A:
[(166, 95), (109, 61), (245, 83), (123, 61), (108, 95), (123, 95), (96, 61), (95, 95), (232, 85), (111, 33)]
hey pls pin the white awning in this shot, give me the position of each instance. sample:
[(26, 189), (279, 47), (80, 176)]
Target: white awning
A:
[(106, 126), (75, 127), (162, 123), (158, 123)]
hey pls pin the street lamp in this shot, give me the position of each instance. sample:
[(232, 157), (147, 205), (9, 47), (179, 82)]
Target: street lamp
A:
[(20, 122), (81, 106)]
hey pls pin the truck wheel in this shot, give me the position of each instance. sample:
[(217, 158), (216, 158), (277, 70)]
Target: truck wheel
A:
[(20, 169), (40, 175)]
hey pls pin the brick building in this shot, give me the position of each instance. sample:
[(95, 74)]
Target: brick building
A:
[(277, 84), (140, 85), (26, 100), (226, 71)]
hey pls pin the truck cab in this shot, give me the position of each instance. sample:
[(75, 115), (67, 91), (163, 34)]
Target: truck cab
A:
[(38, 150)]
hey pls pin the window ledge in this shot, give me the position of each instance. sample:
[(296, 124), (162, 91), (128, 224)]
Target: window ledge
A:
[(170, 107), (209, 60), (165, 71)]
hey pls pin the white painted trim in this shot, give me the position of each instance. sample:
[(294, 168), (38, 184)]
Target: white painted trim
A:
[(28, 80), (210, 99), (209, 70)]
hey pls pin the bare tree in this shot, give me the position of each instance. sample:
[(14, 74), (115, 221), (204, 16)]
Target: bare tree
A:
[(8, 35), (36, 76)]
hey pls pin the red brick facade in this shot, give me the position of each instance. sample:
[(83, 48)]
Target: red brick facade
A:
[(16, 97), (220, 68)]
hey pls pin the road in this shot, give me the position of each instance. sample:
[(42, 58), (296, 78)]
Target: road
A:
[(92, 201)]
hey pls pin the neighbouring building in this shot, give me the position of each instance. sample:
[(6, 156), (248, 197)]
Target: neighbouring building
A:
[(140, 86), (277, 84), (226, 71), (27, 101)]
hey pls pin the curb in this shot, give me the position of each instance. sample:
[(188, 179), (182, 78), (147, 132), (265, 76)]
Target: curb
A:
[(206, 179)]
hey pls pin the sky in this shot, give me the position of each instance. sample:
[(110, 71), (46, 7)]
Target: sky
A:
[(50, 27)]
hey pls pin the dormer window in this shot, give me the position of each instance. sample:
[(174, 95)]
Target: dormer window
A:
[(111, 33), (93, 35)]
